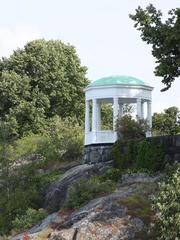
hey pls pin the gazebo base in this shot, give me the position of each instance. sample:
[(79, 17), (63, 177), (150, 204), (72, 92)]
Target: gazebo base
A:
[(95, 153)]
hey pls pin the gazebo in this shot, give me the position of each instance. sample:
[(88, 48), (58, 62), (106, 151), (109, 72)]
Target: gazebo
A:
[(117, 90)]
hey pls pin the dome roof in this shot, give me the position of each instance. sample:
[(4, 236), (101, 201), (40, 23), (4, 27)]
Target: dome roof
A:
[(117, 80)]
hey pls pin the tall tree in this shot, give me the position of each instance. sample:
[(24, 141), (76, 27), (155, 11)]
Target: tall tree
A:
[(165, 40), (166, 123), (42, 80)]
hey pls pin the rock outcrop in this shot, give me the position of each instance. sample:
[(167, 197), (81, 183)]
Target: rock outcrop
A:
[(121, 215), (102, 218), (57, 192)]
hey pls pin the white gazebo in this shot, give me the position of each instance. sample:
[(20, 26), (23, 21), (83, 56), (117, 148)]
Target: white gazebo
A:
[(117, 90)]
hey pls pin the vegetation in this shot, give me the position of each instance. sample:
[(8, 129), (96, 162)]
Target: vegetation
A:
[(138, 155), (32, 217), (84, 190), (164, 38), (166, 203), (38, 82), (166, 123), (22, 187), (129, 128), (112, 174)]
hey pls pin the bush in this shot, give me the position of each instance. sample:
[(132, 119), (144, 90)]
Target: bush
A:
[(138, 155), (112, 174), (124, 154), (149, 156), (32, 217), (84, 190), (129, 128), (167, 204), (64, 140)]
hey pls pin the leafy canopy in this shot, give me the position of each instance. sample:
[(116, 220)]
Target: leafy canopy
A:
[(164, 38), (166, 123), (38, 82)]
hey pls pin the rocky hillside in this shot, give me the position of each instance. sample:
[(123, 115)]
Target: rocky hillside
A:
[(123, 214)]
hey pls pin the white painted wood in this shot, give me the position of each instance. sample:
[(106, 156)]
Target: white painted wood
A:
[(118, 95)]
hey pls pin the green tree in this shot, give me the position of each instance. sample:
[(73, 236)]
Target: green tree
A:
[(164, 38), (166, 123), (42, 80), (128, 128)]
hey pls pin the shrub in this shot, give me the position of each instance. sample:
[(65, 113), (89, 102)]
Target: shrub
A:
[(149, 156), (112, 174), (138, 155), (167, 204), (124, 153), (84, 190), (64, 140), (31, 218), (129, 128)]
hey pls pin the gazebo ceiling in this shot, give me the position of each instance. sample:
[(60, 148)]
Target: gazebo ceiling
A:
[(118, 80)]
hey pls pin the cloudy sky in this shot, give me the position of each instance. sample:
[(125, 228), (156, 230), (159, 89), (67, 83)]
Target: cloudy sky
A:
[(101, 31)]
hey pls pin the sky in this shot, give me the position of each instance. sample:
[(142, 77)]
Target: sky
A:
[(101, 30)]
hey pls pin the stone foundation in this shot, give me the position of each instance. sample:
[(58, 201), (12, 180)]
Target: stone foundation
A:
[(96, 153)]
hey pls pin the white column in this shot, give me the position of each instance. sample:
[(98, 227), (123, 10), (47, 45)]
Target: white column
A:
[(149, 118), (138, 108), (94, 120), (115, 111), (149, 114), (120, 109), (99, 116), (87, 122), (142, 110)]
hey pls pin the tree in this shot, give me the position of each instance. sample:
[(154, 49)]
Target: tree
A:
[(38, 82), (165, 39), (166, 123), (128, 128)]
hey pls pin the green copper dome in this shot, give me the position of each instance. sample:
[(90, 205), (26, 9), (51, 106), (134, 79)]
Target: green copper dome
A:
[(117, 80)]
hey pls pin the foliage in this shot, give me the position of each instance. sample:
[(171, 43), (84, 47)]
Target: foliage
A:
[(112, 174), (62, 140), (139, 155), (128, 109), (150, 156), (124, 154), (84, 190), (42, 80), (32, 217), (164, 37), (106, 117), (129, 128), (139, 206), (167, 123), (166, 203)]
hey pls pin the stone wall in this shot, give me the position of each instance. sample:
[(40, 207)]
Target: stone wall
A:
[(102, 152), (96, 153), (171, 144)]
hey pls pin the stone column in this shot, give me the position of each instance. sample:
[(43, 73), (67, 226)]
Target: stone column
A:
[(99, 116), (87, 120), (94, 120), (138, 107), (142, 110), (115, 111)]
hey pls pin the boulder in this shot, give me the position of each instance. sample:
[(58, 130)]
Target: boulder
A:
[(102, 218), (56, 193)]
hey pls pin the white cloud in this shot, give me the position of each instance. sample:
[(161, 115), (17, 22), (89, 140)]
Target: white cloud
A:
[(13, 38)]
